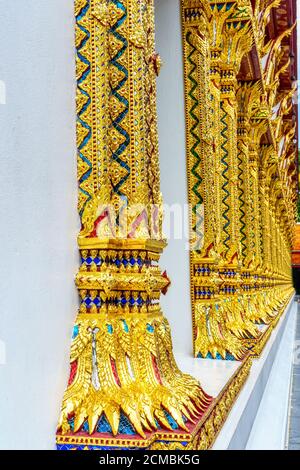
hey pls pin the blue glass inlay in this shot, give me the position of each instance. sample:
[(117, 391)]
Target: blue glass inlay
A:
[(171, 420), (150, 328), (125, 427), (103, 425), (110, 329), (229, 357), (85, 427), (75, 331), (125, 326), (71, 424)]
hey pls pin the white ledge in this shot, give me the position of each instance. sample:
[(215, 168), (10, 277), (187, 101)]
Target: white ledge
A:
[(255, 406)]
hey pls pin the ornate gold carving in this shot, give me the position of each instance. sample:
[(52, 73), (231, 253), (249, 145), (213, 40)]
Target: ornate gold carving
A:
[(202, 437), (124, 379), (240, 275)]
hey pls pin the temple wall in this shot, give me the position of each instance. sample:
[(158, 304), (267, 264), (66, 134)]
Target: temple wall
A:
[(39, 222), (171, 119)]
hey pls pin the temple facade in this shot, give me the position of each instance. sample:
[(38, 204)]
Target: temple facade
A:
[(125, 389)]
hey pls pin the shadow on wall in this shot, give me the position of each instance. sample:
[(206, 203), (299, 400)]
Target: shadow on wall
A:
[(296, 280)]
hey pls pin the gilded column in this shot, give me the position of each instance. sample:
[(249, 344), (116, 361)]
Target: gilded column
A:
[(203, 94), (259, 126), (232, 38), (216, 36), (267, 157), (123, 379), (252, 124)]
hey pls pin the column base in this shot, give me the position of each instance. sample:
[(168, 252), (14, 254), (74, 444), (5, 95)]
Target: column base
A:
[(257, 345), (199, 436)]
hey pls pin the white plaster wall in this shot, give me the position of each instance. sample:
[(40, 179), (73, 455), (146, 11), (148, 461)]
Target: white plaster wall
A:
[(176, 304), (38, 217)]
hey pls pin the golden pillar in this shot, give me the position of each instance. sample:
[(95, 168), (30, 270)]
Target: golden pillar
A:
[(252, 124), (232, 38), (213, 46)]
